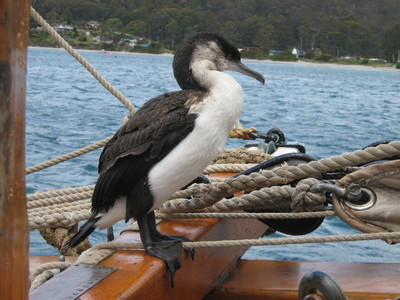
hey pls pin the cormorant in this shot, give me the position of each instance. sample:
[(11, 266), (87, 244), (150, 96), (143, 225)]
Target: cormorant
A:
[(170, 140)]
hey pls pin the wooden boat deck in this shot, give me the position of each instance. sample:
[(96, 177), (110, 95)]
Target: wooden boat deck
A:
[(255, 279), (279, 280), (140, 276)]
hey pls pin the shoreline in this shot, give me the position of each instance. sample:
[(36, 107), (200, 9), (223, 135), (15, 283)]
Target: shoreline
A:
[(298, 63), (328, 65)]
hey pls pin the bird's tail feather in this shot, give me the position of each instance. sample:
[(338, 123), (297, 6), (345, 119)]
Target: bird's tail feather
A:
[(85, 230)]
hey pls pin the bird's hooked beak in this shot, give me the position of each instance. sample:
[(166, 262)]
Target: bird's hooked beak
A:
[(241, 68)]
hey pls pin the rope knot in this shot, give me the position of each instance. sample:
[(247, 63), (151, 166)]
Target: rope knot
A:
[(305, 200)]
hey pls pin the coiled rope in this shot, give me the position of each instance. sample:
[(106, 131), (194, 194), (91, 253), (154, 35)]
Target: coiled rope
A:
[(209, 195)]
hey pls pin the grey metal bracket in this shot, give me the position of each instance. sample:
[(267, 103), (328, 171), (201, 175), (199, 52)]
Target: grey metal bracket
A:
[(72, 282)]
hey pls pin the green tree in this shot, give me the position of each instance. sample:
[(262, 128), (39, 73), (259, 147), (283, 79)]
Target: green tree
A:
[(112, 30), (334, 42), (266, 37), (136, 27), (347, 27), (171, 31), (351, 31), (391, 43)]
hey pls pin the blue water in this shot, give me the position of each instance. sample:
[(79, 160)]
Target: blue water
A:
[(330, 109)]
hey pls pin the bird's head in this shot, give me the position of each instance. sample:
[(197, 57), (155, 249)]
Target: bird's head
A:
[(211, 51)]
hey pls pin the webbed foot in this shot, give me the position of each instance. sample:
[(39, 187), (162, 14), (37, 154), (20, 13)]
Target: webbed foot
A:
[(157, 236), (168, 251), (166, 247), (167, 237)]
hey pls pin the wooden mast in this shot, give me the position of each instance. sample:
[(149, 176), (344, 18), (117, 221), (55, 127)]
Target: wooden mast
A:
[(14, 239)]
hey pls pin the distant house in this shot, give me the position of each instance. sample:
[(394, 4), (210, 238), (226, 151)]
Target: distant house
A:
[(299, 53), (273, 52), (348, 57), (63, 28), (380, 60), (129, 42), (102, 39), (92, 25), (252, 48)]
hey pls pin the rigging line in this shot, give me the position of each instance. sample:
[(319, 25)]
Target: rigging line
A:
[(302, 215), (263, 242), (294, 240), (218, 168), (82, 61), (66, 157)]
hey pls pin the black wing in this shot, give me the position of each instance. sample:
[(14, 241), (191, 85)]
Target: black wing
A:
[(143, 141)]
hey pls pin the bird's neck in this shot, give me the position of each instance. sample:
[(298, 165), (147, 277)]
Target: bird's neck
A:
[(208, 77), (225, 93)]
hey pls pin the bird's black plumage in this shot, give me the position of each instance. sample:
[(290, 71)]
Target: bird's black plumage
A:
[(142, 142), (148, 136)]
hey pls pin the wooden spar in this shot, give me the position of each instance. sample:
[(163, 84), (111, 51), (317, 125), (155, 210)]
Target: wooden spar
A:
[(14, 239)]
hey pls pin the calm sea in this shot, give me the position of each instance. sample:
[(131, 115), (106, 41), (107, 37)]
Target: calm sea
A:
[(331, 109)]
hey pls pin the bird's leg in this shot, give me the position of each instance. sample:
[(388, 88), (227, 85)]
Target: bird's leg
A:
[(167, 250), (165, 237)]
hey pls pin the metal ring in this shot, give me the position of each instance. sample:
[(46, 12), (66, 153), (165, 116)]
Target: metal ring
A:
[(367, 194), (317, 280)]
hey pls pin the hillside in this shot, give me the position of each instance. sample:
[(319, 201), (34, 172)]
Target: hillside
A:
[(366, 28)]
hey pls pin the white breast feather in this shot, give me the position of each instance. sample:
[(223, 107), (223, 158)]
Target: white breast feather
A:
[(217, 116)]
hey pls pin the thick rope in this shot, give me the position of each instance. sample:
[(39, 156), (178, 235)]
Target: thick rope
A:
[(227, 168), (59, 208), (63, 208), (55, 193), (241, 156), (298, 198), (242, 133), (82, 60), (49, 217), (59, 219), (210, 194), (40, 199)]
